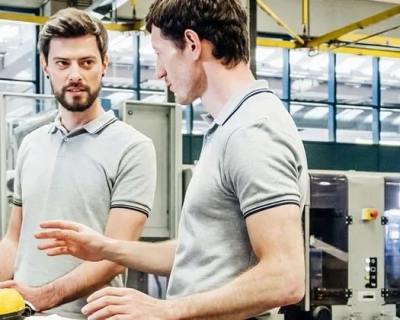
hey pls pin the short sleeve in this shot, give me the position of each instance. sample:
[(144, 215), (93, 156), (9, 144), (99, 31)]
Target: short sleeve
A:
[(262, 166), (17, 194), (135, 183)]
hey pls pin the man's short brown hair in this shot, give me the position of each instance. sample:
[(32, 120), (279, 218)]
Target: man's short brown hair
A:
[(222, 22), (72, 23)]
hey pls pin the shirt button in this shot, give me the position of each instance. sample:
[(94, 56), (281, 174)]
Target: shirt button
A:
[(66, 139)]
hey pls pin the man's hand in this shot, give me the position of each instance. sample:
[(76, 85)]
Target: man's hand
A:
[(72, 238), (124, 303), (42, 298)]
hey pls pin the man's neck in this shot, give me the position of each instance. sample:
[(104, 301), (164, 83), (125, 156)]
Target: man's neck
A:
[(223, 84), (72, 120)]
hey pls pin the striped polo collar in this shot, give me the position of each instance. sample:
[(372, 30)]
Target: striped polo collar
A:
[(235, 102), (94, 127)]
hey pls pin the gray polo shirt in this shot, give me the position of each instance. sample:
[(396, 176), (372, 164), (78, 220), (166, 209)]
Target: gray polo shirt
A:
[(252, 159), (78, 176)]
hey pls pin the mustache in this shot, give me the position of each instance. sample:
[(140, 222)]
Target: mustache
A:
[(78, 86)]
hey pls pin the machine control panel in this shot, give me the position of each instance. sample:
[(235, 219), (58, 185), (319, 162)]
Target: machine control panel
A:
[(371, 272)]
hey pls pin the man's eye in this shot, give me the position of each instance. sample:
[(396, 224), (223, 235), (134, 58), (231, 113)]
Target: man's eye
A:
[(62, 63), (88, 63)]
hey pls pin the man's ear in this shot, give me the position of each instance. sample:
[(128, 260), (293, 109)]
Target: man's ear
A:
[(192, 43), (44, 65), (105, 64)]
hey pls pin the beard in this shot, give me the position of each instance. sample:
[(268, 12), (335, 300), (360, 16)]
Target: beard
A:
[(80, 103)]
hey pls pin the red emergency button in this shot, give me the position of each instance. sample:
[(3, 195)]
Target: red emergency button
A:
[(369, 214)]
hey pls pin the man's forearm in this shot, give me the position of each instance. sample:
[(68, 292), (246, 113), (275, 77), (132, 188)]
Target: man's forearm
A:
[(156, 257), (85, 279), (8, 251), (254, 292)]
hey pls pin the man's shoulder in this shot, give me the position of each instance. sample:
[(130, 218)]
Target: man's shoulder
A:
[(123, 133), (38, 133)]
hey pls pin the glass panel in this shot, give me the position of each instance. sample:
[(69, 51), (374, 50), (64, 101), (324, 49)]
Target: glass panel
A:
[(311, 119), (328, 239), (390, 82), (17, 51), (17, 86), (114, 99), (200, 126), (269, 67), (309, 75), (122, 63), (148, 77), (354, 79), (390, 126), (354, 124), (23, 115), (392, 240)]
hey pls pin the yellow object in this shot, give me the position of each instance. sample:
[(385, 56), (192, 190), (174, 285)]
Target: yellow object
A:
[(10, 302), (369, 214)]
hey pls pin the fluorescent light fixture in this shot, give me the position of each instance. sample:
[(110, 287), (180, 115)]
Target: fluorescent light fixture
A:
[(262, 54), (349, 114), (295, 108), (316, 113), (349, 64)]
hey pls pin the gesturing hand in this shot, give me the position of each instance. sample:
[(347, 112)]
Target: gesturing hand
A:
[(71, 238)]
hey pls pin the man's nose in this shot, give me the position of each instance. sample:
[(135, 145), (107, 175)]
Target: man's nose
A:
[(75, 73), (160, 71)]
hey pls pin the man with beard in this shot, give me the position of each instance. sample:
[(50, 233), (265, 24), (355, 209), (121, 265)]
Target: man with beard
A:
[(87, 166)]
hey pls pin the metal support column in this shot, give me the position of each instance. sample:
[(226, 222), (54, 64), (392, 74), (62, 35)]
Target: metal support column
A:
[(376, 101), (332, 101), (286, 78), (136, 65), (252, 25)]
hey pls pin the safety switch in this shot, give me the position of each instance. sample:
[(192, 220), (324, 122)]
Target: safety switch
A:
[(369, 214)]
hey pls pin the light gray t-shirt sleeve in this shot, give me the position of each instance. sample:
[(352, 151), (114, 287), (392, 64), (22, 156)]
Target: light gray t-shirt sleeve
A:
[(261, 167), (135, 183), (17, 195)]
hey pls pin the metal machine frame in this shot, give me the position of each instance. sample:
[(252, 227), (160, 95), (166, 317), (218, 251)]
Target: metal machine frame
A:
[(162, 123), (4, 207)]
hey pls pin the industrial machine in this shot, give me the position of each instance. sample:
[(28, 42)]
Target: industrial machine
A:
[(352, 246), (352, 241)]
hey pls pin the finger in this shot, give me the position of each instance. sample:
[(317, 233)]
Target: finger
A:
[(60, 224), (58, 251), (120, 317), (51, 244), (107, 312), (58, 234), (106, 303), (8, 284), (109, 291)]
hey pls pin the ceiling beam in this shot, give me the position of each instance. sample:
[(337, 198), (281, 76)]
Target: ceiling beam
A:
[(279, 21), (326, 48), (361, 24), (136, 25), (375, 40), (306, 18)]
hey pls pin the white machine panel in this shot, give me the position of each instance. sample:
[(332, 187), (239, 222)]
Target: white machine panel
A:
[(161, 123)]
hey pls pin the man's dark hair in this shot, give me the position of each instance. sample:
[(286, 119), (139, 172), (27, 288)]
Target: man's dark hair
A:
[(72, 23), (222, 22)]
